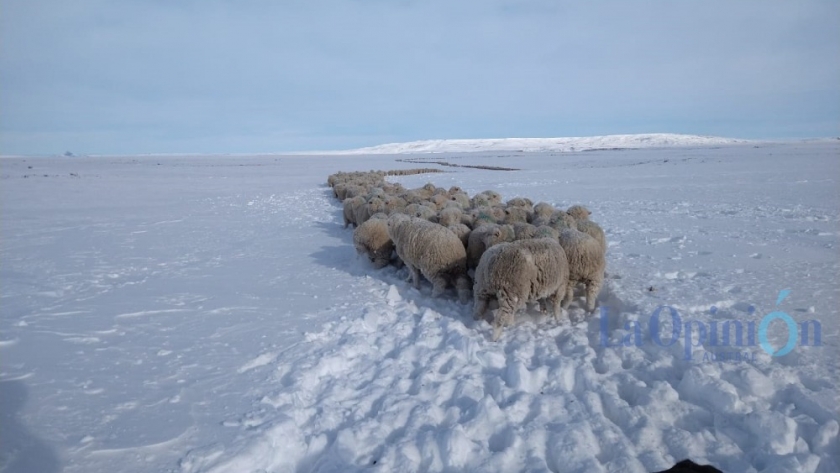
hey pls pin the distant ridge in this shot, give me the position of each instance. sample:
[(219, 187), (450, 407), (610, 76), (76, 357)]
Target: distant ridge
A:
[(648, 140)]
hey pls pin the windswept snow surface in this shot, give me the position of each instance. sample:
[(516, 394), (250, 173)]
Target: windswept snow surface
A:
[(531, 145), (210, 315)]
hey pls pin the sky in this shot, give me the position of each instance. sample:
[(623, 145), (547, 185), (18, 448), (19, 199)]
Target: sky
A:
[(260, 76)]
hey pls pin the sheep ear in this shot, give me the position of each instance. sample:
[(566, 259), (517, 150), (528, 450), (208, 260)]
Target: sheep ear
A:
[(497, 232)]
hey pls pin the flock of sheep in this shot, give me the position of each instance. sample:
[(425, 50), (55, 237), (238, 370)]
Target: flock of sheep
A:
[(520, 252)]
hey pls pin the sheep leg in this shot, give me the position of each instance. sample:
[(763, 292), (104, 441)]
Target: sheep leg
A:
[(501, 319), (593, 288), (480, 308), (438, 285), (554, 301), (463, 286), (570, 294), (503, 316), (414, 274)]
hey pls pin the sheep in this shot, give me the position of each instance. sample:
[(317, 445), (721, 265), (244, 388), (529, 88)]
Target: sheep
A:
[(350, 206), (587, 263), (363, 211), (462, 231), (451, 204), (354, 190), (479, 200), (481, 216), (544, 231), (461, 199), (425, 213), (524, 231), (483, 235), (543, 212), (561, 221), (516, 214), (519, 272), (522, 203), (432, 250), (579, 212), (394, 204), (594, 230), (439, 200), (371, 239), (449, 216), (492, 196)]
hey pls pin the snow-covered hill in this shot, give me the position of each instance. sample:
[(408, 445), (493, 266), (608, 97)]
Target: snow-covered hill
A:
[(195, 315), (532, 145)]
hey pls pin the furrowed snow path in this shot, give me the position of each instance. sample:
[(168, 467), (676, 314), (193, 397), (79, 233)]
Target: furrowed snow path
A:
[(210, 315)]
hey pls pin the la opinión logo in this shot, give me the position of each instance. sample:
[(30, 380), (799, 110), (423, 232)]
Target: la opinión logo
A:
[(715, 336)]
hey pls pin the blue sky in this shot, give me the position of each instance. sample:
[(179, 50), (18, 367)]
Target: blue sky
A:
[(225, 76)]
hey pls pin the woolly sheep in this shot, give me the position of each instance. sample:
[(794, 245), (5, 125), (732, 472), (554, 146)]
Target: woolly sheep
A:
[(461, 199), (492, 196), (543, 211), (521, 203), (517, 273), (579, 212), (479, 200), (432, 250), (516, 214), (561, 221), (425, 213), (587, 263), (363, 212), (594, 230), (524, 231), (355, 190), (371, 239), (544, 231), (482, 216), (439, 200), (350, 206), (484, 237), (462, 231), (449, 216), (394, 204)]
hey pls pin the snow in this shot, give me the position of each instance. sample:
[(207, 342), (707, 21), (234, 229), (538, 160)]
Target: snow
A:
[(566, 144), (209, 314)]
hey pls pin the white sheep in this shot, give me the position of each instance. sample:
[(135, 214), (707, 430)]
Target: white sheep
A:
[(449, 216), (462, 231), (481, 236), (579, 212), (594, 230), (514, 214), (524, 231), (349, 211), (371, 239), (432, 250), (517, 273), (542, 214), (587, 263)]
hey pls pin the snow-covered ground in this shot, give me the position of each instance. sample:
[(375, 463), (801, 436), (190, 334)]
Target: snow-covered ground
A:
[(209, 314), (532, 145)]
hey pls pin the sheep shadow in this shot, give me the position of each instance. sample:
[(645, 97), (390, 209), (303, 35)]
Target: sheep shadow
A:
[(343, 257), (20, 450)]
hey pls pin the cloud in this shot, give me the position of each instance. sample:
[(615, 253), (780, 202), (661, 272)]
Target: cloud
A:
[(224, 76)]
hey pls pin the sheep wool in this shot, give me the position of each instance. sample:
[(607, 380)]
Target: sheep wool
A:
[(371, 239), (432, 250), (515, 273), (587, 263)]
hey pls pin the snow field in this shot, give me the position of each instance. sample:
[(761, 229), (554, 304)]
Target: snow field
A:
[(211, 315)]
